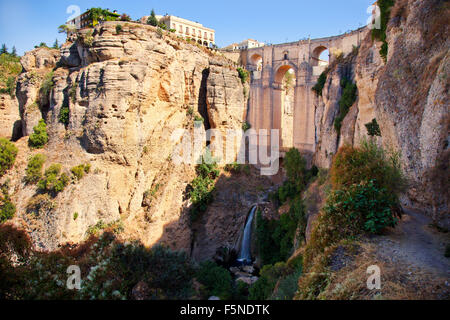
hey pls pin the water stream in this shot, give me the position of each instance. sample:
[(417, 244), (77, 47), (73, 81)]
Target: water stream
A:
[(245, 255)]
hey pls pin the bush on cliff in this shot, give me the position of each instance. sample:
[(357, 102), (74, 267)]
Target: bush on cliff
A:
[(366, 182), (34, 168), (39, 138), (318, 87), (348, 98), (203, 186), (53, 181), (8, 153), (7, 208)]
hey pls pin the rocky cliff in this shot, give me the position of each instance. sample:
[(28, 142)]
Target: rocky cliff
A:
[(126, 92), (407, 95)]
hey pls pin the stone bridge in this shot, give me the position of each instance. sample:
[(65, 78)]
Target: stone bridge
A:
[(271, 105)]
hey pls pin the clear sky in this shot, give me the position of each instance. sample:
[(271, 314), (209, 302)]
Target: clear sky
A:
[(26, 23)]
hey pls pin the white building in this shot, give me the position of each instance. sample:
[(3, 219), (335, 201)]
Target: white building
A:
[(244, 45), (188, 29)]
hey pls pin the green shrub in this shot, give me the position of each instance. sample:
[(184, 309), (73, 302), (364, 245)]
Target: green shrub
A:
[(202, 187), (373, 129), (119, 29), (75, 216), (348, 98), (318, 87), (275, 238), (216, 279), (34, 168), (39, 138), (79, 171), (64, 115), (53, 181), (365, 163), (263, 288), (7, 208), (295, 166), (362, 207), (237, 168), (243, 75), (8, 153), (246, 126)]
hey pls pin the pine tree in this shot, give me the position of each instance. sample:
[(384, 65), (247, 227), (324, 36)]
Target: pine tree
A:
[(152, 19), (14, 52), (56, 44), (4, 49)]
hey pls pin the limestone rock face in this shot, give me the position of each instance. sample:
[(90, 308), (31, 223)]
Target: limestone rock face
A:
[(127, 94), (9, 117), (41, 58), (408, 96)]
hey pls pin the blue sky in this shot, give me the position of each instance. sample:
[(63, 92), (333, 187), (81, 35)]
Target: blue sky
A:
[(26, 23)]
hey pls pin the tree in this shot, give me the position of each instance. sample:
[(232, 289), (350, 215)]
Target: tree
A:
[(56, 44), (14, 52), (152, 19), (4, 49)]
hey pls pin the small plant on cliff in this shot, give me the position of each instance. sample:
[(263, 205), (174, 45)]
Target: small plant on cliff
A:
[(34, 168), (318, 87), (119, 29), (348, 98), (53, 181), (39, 138), (246, 126), (8, 153), (79, 171), (203, 186), (373, 129), (7, 208), (64, 114), (243, 75)]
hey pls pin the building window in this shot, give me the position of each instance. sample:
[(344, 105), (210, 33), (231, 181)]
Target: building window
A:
[(187, 30)]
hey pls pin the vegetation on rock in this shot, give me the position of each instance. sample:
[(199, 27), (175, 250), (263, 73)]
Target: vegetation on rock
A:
[(39, 138), (8, 153), (34, 168)]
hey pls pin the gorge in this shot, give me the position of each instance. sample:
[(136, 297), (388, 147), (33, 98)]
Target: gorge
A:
[(93, 181)]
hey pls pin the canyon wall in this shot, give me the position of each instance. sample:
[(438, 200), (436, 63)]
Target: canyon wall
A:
[(126, 92), (407, 95)]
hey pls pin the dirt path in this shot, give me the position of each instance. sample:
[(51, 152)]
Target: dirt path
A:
[(414, 242)]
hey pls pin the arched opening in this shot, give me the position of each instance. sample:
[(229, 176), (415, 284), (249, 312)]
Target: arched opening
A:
[(285, 55), (205, 43), (284, 106), (321, 57), (256, 61), (199, 41)]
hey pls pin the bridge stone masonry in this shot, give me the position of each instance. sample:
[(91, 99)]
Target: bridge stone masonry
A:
[(271, 107)]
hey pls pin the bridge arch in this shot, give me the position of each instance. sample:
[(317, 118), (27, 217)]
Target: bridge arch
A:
[(320, 56), (256, 61), (281, 70)]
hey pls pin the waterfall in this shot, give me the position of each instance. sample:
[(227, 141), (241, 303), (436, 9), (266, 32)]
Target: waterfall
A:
[(245, 255)]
